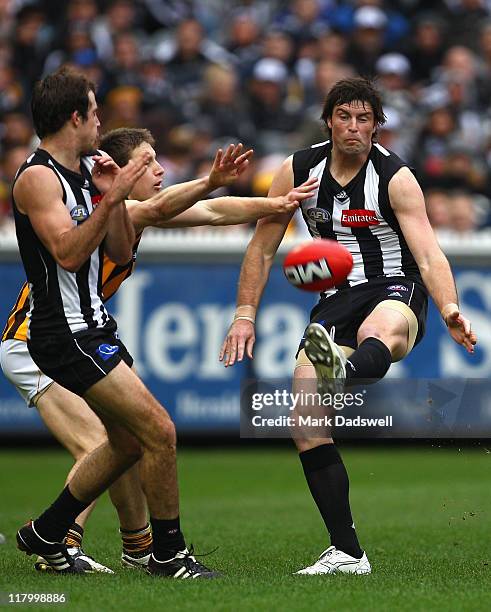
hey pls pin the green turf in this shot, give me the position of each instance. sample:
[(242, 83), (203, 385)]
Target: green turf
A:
[(422, 515)]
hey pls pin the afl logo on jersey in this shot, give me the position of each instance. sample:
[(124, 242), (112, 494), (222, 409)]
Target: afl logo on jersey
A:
[(79, 213), (319, 215)]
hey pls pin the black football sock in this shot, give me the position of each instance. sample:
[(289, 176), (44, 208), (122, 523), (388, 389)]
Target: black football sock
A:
[(369, 362), (54, 523), (329, 484), (167, 538)]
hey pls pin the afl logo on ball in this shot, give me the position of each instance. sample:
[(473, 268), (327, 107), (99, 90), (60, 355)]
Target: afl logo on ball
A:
[(319, 215)]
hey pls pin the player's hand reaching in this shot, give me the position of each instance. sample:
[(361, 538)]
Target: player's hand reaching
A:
[(228, 166), (459, 327), (127, 176), (293, 198), (104, 172), (239, 340)]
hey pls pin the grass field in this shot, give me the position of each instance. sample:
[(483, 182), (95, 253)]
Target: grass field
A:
[(422, 515)]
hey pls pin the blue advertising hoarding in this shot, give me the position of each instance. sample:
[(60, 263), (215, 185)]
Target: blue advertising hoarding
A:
[(173, 318)]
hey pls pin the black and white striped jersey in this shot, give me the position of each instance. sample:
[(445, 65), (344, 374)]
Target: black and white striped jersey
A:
[(358, 215), (62, 302)]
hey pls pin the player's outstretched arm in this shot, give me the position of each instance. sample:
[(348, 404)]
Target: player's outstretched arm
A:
[(254, 273), (231, 210), (38, 194), (407, 201), (174, 200)]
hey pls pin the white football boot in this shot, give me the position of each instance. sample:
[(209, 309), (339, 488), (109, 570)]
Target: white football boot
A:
[(333, 561), (328, 359), (83, 563), (140, 562)]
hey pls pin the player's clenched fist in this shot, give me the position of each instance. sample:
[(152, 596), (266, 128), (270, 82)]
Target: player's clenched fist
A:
[(239, 340)]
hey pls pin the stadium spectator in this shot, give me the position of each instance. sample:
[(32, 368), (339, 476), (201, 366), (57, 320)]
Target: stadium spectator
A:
[(77, 47), (426, 47), (11, 89), (437, 207), (271, 114), (119, 18), (280, 46), (158, 93), (244, 41), (7, 18), (343, 18), (186, 57), (30, 43), (123, 107), (460, 170), (438, 131), (463, 217), (17, 130), (79, 13), (333, 46), (222, 108), (465, 19), (125, 68), (367, 40), (304, 20)]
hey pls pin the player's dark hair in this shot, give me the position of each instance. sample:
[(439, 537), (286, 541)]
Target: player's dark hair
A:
[(121, 143), (349, 90), (56, 97)]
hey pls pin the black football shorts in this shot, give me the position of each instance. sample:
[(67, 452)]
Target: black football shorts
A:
[(348, 308), (78, 361)]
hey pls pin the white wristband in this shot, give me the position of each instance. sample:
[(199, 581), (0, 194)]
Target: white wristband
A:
[(244, 318), (447, 309)]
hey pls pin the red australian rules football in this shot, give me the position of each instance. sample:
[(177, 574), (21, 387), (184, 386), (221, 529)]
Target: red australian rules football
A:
[(318, 265)]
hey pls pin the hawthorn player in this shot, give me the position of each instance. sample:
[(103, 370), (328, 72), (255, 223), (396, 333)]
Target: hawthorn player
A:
[(369, 201)]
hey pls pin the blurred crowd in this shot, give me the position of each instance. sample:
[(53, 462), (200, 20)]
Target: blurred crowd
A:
[(203, 73)]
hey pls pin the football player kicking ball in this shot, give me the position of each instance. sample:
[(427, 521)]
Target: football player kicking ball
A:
[(67, 415), (369, 201)]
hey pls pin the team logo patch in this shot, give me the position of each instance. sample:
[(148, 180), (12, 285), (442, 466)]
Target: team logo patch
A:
[(319, 215), (79, 213), (106, 351), (342, 195), (359, 218), (395, 294), (397, 288)]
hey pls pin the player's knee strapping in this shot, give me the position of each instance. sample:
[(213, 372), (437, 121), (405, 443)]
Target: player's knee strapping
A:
[(370, 362)]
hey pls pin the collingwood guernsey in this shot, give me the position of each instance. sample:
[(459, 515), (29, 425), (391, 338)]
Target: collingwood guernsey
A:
[(358, 215), (62, 303)]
